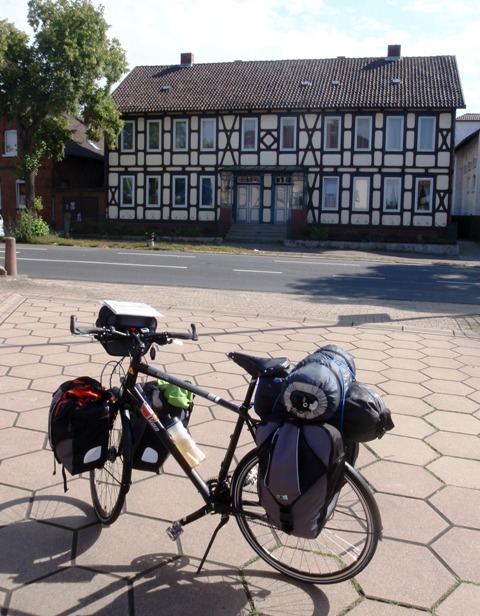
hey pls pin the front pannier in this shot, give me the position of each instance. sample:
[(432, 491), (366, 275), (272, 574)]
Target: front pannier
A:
[(78, 424), (168, 401)]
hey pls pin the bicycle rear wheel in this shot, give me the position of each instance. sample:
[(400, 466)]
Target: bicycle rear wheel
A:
[(110, 484), (344, 547)]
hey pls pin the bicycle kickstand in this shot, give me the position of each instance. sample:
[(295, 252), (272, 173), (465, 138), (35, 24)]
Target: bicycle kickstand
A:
[(224, 519)]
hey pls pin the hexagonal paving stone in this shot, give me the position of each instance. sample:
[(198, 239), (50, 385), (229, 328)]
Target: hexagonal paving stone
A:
[(454, 422), (407, 406), (457, 471), (463, 600), (36, 470), (15, 441), (380, 608), (73, 591), (460, 549), (460, 505), (403, 449), (425, 524), (457, 445), (446, 402), (26, 400), (402, 479), (49, 547), (10, 383), (405, 573), (71, 510), (15, 504)]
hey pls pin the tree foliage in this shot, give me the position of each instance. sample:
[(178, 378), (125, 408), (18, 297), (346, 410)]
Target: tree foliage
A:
[(67, 70)]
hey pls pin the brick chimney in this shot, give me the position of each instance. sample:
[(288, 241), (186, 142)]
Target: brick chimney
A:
[(394, 52), (186, 59)]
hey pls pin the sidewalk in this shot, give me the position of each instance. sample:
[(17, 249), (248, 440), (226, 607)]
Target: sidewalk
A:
[(55, 559)]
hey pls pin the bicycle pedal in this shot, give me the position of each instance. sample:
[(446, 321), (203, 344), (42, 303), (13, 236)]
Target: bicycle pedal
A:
[(174, 531)]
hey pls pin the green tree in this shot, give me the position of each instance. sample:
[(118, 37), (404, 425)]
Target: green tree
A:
[(67, 70)]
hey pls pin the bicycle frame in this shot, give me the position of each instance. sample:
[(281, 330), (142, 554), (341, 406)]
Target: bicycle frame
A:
[(133, 394)]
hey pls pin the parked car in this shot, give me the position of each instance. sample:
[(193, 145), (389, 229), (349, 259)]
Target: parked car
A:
[(2, 228)]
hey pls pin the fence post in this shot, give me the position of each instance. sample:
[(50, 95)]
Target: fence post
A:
[(10, 256)]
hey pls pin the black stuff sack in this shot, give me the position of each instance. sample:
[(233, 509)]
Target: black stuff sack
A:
[(316, 388), (168, 401), (365, 416), (301, 468), (268, 390), (78, 424)]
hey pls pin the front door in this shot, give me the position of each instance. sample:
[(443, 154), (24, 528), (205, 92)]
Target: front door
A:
[(248, 200), (283, 199)]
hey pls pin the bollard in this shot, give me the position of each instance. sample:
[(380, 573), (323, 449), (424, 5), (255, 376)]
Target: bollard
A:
[(10, 256)]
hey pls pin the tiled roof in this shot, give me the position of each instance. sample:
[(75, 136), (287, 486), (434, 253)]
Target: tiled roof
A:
[(80, 144), (338, 83), (469, 117)]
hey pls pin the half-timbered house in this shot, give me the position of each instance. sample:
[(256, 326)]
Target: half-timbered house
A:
[(344, 147)]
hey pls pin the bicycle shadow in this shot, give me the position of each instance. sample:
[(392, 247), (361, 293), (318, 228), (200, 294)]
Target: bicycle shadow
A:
[(39, 538)]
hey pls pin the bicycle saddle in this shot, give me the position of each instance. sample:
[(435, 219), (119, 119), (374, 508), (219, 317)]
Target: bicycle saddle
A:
[(260, 366)]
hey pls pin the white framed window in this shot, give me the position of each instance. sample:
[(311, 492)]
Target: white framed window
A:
[(394, 134), (180, 186), (426, 134), (21, 194), (249, 134), (154, 185), (330, 193), (331, 140), (363, 133), (180, 135), (127, 191), (208, 134), (361, 194), (154, 135), (127, 136), (288, 134), (392, 194), (207, 191), (10, 143), (424, 195)]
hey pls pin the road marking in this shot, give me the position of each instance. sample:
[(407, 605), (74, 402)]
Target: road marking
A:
[(105, 263), (147, 253), (360, 277), (320, 262), (458, 282), (256, 271)]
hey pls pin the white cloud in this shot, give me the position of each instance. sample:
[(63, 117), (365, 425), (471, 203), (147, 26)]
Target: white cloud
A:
[(158, 31)]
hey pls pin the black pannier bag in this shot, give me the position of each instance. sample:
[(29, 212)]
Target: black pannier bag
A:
[(365, 416), (301, 468), (168, 401), (316, 388), (123, 322), (78, 425)]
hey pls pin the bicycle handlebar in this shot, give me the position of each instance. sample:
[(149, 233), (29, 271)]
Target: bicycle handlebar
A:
[(109, 332)]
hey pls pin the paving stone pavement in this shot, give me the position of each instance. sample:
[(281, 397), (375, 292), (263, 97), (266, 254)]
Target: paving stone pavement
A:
[(56, 559)]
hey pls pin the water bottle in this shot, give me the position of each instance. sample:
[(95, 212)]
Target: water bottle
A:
[(185, 443)]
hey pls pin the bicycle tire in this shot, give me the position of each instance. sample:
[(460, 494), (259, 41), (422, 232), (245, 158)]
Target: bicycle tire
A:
[(109, 485), (343, 548)]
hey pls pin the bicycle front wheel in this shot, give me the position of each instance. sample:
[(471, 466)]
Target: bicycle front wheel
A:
[(344, 547), (110, 484)]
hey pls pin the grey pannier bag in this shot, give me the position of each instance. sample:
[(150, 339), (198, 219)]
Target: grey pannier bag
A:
[(301, 468)]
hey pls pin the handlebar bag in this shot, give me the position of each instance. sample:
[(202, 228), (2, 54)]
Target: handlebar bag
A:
[(78, 424), (123, 322)]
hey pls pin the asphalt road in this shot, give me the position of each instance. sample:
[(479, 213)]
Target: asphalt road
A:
[(277, 273)]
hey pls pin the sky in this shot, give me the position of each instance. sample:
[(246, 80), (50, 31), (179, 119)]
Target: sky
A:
[(156, 32)]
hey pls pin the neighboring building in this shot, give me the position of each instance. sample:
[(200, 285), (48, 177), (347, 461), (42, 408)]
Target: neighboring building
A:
[(75, 185), (466, 196), (465, 125), (360, 147)]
